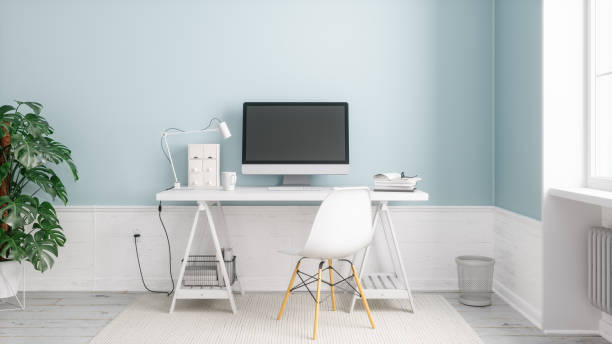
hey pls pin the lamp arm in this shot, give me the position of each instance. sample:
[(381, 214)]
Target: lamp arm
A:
[(168, 133), (176, 182), (221, 128), (165, 135)]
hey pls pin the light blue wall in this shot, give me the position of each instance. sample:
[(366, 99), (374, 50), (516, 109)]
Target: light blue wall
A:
[(518, 106), (113, 74)]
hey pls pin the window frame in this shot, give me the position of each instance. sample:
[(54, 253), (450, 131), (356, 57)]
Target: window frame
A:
[(593, 181)]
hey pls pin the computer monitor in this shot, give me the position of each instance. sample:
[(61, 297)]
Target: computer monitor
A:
[(295, 139)]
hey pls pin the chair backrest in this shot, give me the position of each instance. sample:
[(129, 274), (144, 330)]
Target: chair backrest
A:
[(343, 224)]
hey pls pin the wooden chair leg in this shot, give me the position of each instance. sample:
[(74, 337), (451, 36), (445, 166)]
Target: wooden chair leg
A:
[(331, 281), (363, 298), (280, 313), (318, 301)]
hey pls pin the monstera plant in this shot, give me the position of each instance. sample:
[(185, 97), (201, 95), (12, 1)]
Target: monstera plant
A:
[(30, 230)]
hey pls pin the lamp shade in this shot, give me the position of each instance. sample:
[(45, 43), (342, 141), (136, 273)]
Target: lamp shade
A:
[(224, 130)]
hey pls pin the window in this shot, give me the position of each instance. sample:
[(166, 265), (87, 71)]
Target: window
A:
[(600, 94)]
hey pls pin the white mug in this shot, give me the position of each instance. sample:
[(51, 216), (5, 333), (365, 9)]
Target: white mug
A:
[(228, 179)]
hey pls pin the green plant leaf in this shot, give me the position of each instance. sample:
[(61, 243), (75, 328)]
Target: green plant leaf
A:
[(36, 125), (38, 251), (19, 212), (47, 180), (53, 150), (11, 244), (57, 152), (51, 234), (25, 150), (73, 169), (6, 127), (36, 107), (12, 121), (47, 217), (5, 168), (58, 237), (5, 108), (31, 151)]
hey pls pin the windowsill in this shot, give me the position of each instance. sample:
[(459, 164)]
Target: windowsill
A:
[(585, 195)]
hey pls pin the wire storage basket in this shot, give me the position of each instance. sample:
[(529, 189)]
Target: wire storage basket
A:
[(475, 275), (205, 271)]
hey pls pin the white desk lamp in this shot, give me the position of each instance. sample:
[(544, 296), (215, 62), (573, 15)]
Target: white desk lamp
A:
[(221, 128)]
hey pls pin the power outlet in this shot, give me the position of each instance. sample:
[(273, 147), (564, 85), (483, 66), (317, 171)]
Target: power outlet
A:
[(136, 233)]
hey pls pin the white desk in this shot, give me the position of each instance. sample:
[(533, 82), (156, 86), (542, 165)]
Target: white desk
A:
[(389, 286)]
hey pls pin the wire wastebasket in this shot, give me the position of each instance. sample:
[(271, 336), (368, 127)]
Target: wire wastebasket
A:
[(475, 280), (204, 271)]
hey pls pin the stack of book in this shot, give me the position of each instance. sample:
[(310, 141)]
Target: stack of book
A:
[(394, 182)]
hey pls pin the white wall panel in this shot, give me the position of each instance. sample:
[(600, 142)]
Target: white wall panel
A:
[(518, 263), (99, 254)]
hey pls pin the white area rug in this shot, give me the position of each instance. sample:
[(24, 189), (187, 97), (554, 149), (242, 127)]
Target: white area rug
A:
[(211, 321)]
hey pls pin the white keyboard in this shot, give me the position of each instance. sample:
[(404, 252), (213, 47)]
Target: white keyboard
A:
[(295, 188)]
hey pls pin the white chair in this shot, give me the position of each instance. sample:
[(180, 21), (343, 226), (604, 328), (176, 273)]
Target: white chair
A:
[(342, 227)]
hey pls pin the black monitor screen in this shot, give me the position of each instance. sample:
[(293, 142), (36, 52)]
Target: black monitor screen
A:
[(295, 133)]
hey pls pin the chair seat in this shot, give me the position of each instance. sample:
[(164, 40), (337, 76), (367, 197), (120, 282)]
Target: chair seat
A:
[(315, 255)]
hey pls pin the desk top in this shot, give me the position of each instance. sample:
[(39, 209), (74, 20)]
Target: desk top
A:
[(264, 194)]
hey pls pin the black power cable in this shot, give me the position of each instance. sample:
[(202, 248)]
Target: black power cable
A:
[(136, 236)]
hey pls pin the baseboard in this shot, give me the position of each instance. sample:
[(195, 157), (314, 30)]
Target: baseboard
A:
[(605, 326), (533, 314), (570, 333)]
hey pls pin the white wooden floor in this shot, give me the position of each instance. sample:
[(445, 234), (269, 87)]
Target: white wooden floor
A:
[(71, 318)]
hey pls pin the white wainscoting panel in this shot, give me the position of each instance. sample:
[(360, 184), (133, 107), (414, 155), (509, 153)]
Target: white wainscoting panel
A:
[(518, 263), (99, 254)]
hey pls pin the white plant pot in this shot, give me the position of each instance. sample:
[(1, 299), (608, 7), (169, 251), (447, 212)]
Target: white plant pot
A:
[(10, 275)]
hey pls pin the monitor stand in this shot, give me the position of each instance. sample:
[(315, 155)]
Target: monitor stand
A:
[(295, 183), (296, 180)]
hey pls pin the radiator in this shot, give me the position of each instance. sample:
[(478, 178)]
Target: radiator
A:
[(600, 268)]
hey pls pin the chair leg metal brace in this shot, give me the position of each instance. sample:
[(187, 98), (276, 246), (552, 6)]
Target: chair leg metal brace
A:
[(317, 297)]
